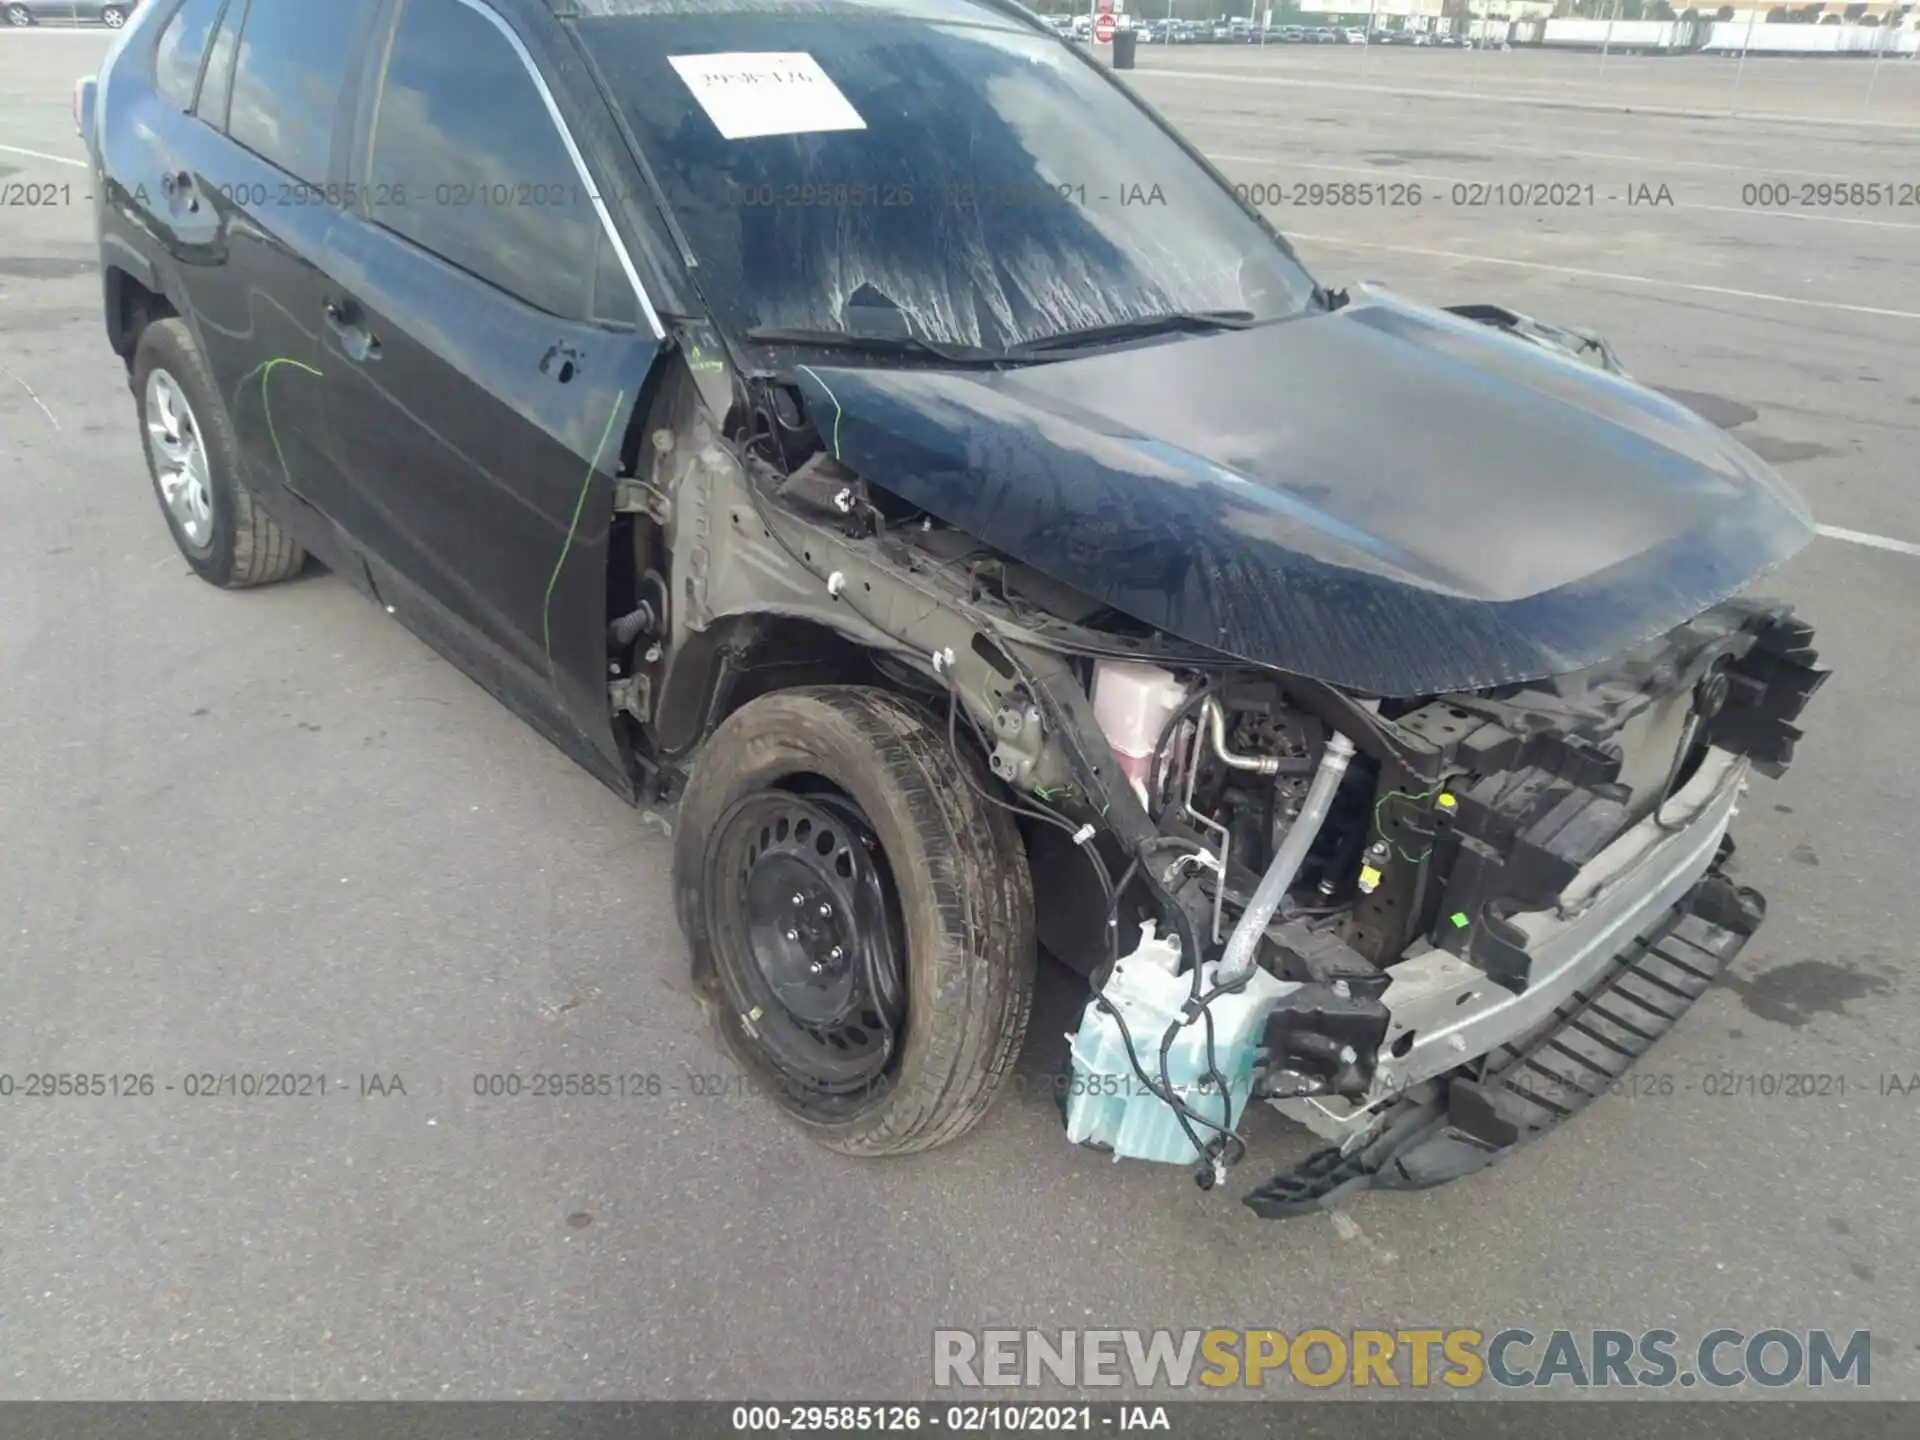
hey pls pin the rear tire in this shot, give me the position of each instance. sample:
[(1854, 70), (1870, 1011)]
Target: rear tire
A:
[(221, 529), (956, 871), (19, 15), (113, 17)]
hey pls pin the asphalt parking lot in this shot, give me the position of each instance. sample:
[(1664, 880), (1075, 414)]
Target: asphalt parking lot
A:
[(270, 831)]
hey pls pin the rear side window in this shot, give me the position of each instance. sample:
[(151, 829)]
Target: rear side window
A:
[(176, 61), (287, 81), (218, 82), (468, 162)]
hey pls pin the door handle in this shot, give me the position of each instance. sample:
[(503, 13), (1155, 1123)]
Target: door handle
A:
[(343, 318)]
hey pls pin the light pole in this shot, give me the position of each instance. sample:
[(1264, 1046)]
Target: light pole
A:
[(1879, 54), (1746, 40)]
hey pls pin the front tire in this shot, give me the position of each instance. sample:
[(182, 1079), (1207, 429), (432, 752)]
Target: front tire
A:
[(113, 17), (19, 15), (193, 457), (873, 780)]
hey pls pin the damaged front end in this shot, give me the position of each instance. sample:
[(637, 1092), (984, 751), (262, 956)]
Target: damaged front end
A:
[(1426, 923), (1497, 903), (1365, 677)]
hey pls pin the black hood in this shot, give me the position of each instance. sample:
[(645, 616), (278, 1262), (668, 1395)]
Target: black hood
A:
[(1384, 497)]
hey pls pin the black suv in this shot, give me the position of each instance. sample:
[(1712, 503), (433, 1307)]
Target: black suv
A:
[(867, 424)]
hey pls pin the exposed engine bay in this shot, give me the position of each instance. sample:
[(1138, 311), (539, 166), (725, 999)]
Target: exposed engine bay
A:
[(1358, 907)]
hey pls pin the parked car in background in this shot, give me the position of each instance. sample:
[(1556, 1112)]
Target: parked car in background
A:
[(1353, 35), (110, 13)]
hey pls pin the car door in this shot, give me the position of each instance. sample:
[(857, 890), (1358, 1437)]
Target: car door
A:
[(484, 349), (248, 102)]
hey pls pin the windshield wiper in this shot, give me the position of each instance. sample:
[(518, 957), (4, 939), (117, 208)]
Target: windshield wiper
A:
[(873, 344), (1137, 328)]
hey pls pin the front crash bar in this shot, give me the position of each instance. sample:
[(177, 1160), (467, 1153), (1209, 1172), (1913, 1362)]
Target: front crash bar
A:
[(1530, 1085), (1444, 1011), (1653, 898)]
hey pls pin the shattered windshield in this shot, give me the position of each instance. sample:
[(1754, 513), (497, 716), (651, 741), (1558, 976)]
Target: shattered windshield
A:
[(926, 167)]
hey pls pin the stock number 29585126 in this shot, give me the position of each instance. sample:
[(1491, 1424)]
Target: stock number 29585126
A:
[(1323, 194), (1824, 194), (52, 1085), (555, 1085)]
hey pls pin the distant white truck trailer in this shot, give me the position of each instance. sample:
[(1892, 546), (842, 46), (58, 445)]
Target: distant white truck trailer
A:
[(1731, 37), (1724, 37), (1623, 33), (1628, 37)]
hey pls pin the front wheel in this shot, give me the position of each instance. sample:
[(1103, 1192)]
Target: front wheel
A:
[(19, 15), (860, 916), (113, 17)]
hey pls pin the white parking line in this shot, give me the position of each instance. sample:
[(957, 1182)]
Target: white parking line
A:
[(1545, 147), (43, 155), (31, 395), (1557, 101), (1385, 177), (1861, 537), (1655, 281), (1542, 150), (1767, 170)]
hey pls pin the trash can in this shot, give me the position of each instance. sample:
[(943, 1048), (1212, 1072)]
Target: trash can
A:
[(1123, 43)]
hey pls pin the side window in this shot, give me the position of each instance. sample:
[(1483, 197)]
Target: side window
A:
[(467, 161), (176, 61), (287, 80), (217, 85), (613, 302)]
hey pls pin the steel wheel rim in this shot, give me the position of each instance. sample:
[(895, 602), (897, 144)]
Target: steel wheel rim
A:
[(179, 456), (19, 15), (114, 19), (808, 938)]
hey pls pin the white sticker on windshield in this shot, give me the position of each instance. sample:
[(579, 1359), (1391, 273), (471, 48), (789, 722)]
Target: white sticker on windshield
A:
[(748, 94)]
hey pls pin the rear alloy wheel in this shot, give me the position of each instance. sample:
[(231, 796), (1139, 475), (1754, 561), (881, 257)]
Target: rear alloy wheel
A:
[(861, 919), (181, 469), (19, 15), (113, 17), (227, 537)]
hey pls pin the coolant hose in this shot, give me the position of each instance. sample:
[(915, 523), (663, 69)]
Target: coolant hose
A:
[(1242, 946)]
